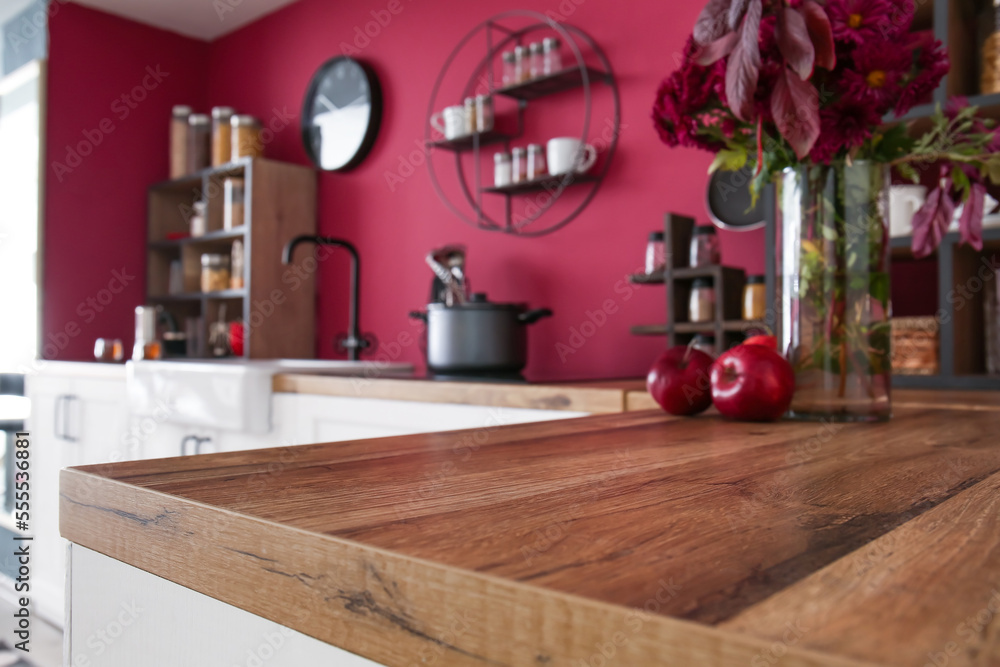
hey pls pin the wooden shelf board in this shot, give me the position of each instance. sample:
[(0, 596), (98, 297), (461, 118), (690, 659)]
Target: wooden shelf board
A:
[(197, 296), (551, 84), (468, 142), (195, 179), (649, 330), (647, 278), (741, 325), (210, 237), (547, 183)]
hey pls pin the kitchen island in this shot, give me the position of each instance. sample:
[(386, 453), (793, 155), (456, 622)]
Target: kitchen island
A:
[(629, 539)]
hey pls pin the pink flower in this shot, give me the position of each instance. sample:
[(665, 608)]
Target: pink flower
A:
[(932, 64), (689, 101), (862, 21), (843, 127), (877, 76)]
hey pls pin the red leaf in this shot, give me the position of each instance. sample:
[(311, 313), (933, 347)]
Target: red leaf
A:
[(794, 43), (736, 12), (931, 222), (795, 107), (743, 68), (717, 50), (711, 23), (970, 225), (820, 33)]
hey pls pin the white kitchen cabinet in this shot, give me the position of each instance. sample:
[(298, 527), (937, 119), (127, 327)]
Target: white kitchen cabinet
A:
[(147, 620), (75, 419)]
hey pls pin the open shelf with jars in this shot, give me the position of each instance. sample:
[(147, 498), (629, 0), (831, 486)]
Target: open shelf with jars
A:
[(463, 184), (277, 203)]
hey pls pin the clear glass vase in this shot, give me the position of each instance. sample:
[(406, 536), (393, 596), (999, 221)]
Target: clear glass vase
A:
[(833, 289)]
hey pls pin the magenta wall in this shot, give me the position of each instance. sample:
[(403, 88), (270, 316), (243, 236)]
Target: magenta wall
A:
[(267, 65), (102, 152)]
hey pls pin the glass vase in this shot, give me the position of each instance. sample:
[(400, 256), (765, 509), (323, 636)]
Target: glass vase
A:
[(833, 289)]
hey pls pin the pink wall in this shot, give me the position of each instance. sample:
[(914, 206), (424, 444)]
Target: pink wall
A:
[(266, 67), (102, 152)]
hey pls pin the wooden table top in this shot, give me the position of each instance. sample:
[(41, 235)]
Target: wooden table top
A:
[(652, 540)]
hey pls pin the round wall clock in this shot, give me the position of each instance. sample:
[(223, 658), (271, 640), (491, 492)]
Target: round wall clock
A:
[(341, 114)]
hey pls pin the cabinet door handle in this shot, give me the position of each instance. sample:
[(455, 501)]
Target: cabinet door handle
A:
[(198, 442), (66, 436), (55, 416), (184, 442)]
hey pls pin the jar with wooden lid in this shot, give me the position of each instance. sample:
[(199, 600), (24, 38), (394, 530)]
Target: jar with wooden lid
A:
[(232, 204), (199, 142), (701, 306), (179, 140), (754, 298), (214, 272), (246, 137), (237, 264), (222, 133)]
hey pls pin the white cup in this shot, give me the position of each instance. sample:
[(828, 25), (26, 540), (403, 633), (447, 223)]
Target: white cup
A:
[(904, 202), (451, 122), (568, 154)]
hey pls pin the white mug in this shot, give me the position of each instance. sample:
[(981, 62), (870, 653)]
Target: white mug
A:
[(904, 202), (451, 122), (568, 154)]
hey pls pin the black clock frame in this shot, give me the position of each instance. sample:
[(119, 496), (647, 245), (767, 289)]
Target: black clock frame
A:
[(374, 123)]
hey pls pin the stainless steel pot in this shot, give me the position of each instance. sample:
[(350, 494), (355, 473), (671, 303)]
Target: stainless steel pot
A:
[(478, 336)]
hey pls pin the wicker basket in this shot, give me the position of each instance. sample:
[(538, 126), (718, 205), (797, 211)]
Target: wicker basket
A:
[(990, 82), (915, 343)]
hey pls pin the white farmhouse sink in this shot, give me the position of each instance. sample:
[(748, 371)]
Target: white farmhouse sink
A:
[(228, 394)]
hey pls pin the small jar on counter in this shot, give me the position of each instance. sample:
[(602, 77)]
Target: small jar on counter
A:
[(536, 64), (518, 166), (754, 298), (508, 73), (214, 272), (656, 254), (701, 307), (704, 247), (199, 142), (179, 126), (501, 170), (236, 280), (551, 55), (705, 343), (484, 113), (222, 135), (246, 137), (536, 162), (232, 203)]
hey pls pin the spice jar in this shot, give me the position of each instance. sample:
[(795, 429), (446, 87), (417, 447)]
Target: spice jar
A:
[(754, 298), (222, 134), (179, 140), (236, 280), (535, 62), (705, 343), (246, 137), (214, 272), (518, 166), (656, 254), (551, 55), (197, 223), (701, 307), (501, 170), (508, 75), (536, 162), (199, 142), (232, 206), (521, 65), (484, 113), (704, 247), (470, 115)]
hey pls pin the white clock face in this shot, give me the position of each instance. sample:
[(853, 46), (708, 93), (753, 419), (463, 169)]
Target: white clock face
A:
[(340, 116)]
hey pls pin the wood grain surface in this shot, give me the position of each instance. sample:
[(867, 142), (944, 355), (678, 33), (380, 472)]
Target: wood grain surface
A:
[(534, 544)]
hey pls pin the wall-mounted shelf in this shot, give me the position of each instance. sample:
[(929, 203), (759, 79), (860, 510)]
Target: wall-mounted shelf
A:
[(557, 82), (547, 184), (471, 142)]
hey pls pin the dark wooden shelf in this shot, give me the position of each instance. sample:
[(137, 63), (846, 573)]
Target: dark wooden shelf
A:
[(209, 238), (551, 84), (195, 180), (546, 184), (649, 330), (468, 142), (647, 278), (743, 325), (198, 296)]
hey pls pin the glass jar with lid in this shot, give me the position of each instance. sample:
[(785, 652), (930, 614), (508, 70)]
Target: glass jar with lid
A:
[(214, 272), (536, 162), (656, 254), (518, 166), (704, 247), (701, 306), (535, 62), (222, 134), (521, 65), (179, 128), (508, 73), (754, 298), (501, 170), (199, 153), (551, 55), (233, 203), (246, 141)]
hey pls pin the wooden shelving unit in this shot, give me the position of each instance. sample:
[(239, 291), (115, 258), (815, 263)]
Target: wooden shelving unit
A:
[(280, 203)]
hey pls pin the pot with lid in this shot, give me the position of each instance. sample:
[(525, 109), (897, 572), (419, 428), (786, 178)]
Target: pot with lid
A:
[(478, 336)]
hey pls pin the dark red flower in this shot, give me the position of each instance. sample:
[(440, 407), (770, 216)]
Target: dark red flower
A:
[(862, 21), (843, 127), (877, 75), (689, 101), (931, 66)]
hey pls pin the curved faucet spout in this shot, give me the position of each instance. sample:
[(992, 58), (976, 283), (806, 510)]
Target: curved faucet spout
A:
[(354, 341)]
